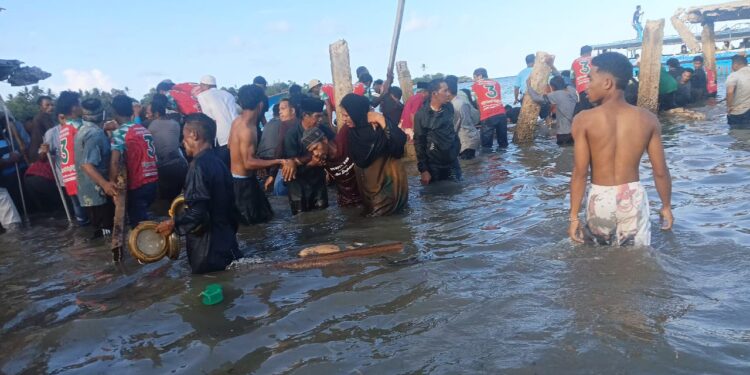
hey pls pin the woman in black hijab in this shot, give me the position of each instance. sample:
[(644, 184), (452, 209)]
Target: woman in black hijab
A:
[(375, 146)]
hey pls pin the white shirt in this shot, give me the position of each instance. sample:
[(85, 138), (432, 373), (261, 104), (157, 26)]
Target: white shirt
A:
[(741, 81), (222, 108)]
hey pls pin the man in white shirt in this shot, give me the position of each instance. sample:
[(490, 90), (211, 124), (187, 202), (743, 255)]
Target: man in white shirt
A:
[(738, 92), (221, 107)]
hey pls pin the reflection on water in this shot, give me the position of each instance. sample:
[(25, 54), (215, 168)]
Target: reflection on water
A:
[(488, 283)]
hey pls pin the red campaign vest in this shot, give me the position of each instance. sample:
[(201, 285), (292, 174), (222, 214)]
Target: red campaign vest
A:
[(330, 91), (140, 157), (489, 98), (581, 69), (711, 85), (68, 132)]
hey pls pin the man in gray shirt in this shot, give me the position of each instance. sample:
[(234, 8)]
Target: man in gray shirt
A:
[(564, 98)]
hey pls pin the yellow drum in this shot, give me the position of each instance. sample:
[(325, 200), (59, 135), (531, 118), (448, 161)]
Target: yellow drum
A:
[(146, 244)]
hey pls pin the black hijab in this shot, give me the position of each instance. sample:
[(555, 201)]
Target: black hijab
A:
[(365, 142)]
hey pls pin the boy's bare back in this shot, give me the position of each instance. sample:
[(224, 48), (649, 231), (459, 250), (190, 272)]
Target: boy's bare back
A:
[(615, 136)]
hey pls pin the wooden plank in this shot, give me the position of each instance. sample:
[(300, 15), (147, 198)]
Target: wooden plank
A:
[(396, 34), (730, 11), (316, 261), (650, 68), (529, 116)]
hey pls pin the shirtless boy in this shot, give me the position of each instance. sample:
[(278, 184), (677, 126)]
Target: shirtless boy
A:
[(611, 139), (249, 198)]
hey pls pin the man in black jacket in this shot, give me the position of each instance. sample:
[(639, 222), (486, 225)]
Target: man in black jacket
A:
[(435, 140), (210, 220)]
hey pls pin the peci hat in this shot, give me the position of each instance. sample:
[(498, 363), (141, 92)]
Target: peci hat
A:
[(208, 80), (313, 83), (311, 105)]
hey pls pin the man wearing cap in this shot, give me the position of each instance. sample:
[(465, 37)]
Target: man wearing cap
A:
[(248, 195), (93, 154), (221, 107), (307, 191), (325, 93)]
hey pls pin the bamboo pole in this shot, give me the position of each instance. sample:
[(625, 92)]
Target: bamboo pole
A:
[(12, 130), (396, 34), (340, 70), (404, 80), (687, 36), (529, 115), (708, 39), (118, 229), (650, 68)]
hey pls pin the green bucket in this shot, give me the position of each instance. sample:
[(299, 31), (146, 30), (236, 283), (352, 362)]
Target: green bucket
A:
[(212, 294)]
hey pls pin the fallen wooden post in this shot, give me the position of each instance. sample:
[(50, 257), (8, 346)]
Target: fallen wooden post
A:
[(315, 261), (529, 116), (650, 68), (731, 11), (341, 70)]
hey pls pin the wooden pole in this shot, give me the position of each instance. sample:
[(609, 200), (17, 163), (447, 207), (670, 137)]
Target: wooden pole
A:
[(687, 36), (118, 229), (650, 68), (404, 80), (527, 119), (396, 34), (340, 70), (12, 130), (708, 39)]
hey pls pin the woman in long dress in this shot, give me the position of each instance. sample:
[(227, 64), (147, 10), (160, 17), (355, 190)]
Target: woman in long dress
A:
[(375, 146)]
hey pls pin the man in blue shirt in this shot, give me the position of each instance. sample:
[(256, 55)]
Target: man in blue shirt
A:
[(521, 78)]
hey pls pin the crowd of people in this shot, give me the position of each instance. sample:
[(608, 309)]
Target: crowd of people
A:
[(225, 157)]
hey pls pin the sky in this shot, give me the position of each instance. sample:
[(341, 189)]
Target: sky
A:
[(137, 43)]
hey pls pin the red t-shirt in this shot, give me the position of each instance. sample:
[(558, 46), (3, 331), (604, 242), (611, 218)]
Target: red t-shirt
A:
[(581, 69), (711, 85), (137, 144), (68, 132), (359, 88), (489, 98), (410, 109), (330, 95)]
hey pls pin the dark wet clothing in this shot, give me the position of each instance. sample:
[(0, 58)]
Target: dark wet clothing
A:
[(209, 222), (251, 201), (341, 168), (308, 190), (699, 85), (39, 125), (435, 141)]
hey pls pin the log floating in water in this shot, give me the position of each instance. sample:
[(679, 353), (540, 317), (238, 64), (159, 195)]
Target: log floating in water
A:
[(529, 115), (315, 261), (650, 68)]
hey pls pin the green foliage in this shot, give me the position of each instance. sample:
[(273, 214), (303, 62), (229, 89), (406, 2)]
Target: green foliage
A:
[(23, 105), (430, 77)]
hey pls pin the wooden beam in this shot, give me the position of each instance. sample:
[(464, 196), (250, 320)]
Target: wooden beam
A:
[(341, 70), (396, 34), (687, 36), (709, 56), (404, 80), (730, 11), (650, 68), (529, 115)]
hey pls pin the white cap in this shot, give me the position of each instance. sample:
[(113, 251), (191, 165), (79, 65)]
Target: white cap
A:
[(313, 83), (208, 80)]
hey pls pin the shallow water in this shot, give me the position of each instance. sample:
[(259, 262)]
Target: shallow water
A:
[(488, 283)]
